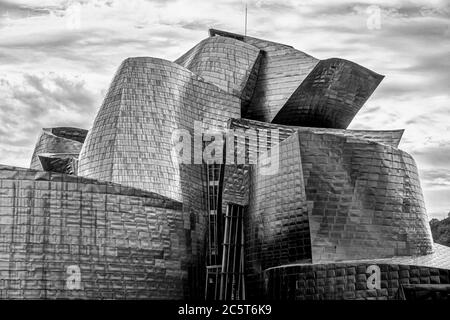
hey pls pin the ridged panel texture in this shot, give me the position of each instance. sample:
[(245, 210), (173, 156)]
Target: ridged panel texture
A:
[(387, 137), (330, 96), (277, 230), (130, 142), (224, 62), (236, 177), (367, 199), (294, 88), (127, 243), (136, 222), (348, 281), (61, 163), (282, 70), (58, 140)]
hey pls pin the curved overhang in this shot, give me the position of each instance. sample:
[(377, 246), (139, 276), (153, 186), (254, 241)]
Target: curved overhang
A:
[(387, 137), (330, 96), (224, 62), (57, 140)]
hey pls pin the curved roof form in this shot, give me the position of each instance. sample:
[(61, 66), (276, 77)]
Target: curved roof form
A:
[(296, 187), (59, 162), (282, 69), (58, 140), (387, 137), (224, 62), (295, 88), (131, 138)]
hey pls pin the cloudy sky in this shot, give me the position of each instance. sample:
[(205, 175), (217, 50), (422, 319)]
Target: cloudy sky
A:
[(58, 57)]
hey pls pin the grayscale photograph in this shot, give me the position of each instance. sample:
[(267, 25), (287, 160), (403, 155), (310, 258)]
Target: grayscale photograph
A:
[(233, 156)]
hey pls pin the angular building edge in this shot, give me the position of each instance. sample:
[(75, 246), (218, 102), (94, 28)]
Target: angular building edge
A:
[(125, 243), (342, 201)]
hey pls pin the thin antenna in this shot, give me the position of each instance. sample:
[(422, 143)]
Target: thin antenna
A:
[(245, 33)]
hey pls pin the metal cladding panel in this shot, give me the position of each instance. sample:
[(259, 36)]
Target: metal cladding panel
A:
[(224, 62), (282, 70), (71, 133), (131, 139), (334, 196), (349, 280), (236, 176), (235, 185), (62, 163), (294, 88), (57, 140), (126, 243), (367, 199), (277, 230), (387, 137), (330, 96)]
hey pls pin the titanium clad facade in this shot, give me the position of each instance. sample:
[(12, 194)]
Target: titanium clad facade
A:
[(64, 140), (277, 218), (366, 197), (126, 243), (236, 177), (330, 96), (60, 162), (282, 70), (387, 137), (348, 280), (295, 88), (131, 139), (225, 62), (301, 208)]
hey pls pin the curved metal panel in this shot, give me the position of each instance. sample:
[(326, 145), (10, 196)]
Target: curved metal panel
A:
[(57, 140), (330, 96), (125, 243), (131, 138)]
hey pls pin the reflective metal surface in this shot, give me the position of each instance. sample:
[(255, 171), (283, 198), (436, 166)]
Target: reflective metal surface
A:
[(139, 224), (60, 140)]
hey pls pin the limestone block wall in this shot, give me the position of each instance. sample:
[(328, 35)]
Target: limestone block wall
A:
[(126, 243)]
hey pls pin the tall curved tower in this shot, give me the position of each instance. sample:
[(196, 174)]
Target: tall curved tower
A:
[(131, 139)]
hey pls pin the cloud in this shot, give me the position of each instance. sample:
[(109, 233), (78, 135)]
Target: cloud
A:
[(57, 57), (40, 101)]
